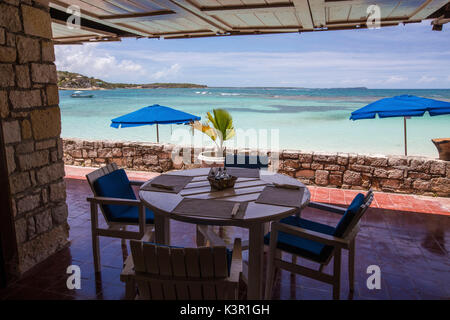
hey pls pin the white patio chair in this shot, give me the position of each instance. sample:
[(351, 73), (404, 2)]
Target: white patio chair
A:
[(114, 194), (316, 242), (172, 273)]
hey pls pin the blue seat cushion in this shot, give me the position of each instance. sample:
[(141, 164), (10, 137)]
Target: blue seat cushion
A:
[(116, 185), (244, 161), (131, 215), (309, 249), (349, 215), (229, 254)]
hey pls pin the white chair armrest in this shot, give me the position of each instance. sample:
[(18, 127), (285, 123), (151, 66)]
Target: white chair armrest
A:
[(136, 182), (128, 269), (125, 202), (236, 261), (327, 207), (116, 201)]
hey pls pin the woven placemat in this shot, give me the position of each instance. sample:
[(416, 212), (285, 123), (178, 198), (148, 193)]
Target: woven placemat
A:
[(281, 196), (244, 172), (167, 183), (210, 208)]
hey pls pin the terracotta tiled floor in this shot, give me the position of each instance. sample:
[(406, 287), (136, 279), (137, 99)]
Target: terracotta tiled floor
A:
[(407, 236)]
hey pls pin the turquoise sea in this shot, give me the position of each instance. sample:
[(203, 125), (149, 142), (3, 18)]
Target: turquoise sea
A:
[(307, 119)]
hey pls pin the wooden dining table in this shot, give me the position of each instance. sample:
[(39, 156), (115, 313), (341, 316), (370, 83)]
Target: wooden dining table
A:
[(256, 218)]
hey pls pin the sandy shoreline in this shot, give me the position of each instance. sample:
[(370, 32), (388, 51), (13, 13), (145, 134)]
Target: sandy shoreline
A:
[(138, 87), (83, 89)]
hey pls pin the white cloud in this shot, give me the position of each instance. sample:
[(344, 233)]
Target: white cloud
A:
[(167, 73), (272, 60), (128, 65), (256, 68), (426, 79), (89, 60), (395, 79), (321, 68)]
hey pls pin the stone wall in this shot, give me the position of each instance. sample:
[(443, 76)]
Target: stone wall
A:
[(349, 171), (30, 123)]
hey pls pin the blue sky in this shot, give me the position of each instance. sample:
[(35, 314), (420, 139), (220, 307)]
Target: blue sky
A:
[(411, 56)]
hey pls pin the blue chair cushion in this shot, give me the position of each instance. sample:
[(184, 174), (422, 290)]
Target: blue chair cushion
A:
[(116, 185), (309, 249), (349, 215), (131, 215), (229, 254), (245, 161)]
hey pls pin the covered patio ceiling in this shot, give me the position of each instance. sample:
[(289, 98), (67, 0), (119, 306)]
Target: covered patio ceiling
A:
[(111, 20)]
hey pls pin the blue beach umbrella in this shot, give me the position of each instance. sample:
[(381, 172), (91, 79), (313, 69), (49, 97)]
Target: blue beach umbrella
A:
[(402, 106), (154, 114)]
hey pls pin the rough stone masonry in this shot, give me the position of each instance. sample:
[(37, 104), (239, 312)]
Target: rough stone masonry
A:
[(341, 170), (31, 125)]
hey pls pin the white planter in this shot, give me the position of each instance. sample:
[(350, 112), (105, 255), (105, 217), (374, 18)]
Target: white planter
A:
[(211, 158)]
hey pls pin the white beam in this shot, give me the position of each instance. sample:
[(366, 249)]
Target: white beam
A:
[(340, 3), (99, 32), (427, 8), (318, 13), (135, 17), (261, 8), (303, 13), (59, 5), (215, 24)]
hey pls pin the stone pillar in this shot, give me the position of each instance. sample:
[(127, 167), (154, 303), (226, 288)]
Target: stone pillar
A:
[(31, 124)]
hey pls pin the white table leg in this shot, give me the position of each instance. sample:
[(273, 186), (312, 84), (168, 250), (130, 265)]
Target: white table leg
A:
[(255, 261), (162, 229)]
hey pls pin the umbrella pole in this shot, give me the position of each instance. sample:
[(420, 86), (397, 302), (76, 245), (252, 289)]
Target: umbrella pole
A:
[(404, 129), (157, 133)]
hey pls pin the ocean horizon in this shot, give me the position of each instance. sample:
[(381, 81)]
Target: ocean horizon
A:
[(306, 118)]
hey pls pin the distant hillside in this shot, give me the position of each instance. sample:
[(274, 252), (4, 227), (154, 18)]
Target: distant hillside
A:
[(71, 80)]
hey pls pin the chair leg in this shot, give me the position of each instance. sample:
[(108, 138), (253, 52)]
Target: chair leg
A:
[(130, 289), (95, 240), (96, 252), (236, 292), (293, 261), (124, 246), (124, 241), (266, 228), (351, 265), (337, 273), (152, 236), (270, 279), (273, 253), (200, 238), (278, 255)]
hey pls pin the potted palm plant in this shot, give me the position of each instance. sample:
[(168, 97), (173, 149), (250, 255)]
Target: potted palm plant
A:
[(219, 127)]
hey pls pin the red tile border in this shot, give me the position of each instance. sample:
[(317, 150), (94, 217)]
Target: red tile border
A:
[(382, 200)]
